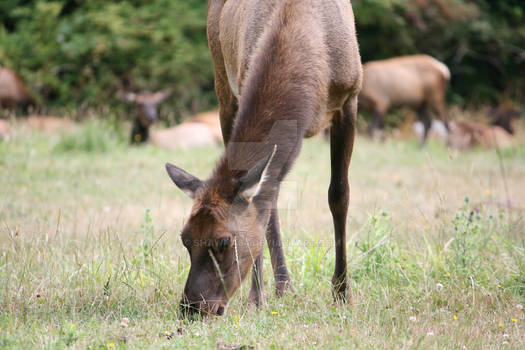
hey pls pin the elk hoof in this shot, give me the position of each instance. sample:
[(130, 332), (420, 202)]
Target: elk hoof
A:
[(257, 300), (339, 290), (284, 286)]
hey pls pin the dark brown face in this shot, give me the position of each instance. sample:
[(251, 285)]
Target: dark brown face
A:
[(146, 104), (222, 251), (147, 113)]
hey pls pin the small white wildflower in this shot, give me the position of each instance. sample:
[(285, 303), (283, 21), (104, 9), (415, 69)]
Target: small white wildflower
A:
[(519, 306), (505, 336), (430, 333), (107, 209), (124, 322), (412, 318), (506, 343), (439, 286)]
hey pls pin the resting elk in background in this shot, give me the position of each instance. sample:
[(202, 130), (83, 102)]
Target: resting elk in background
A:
[(284, 70), (466, 135), (199, 130), (419, 82), (13, 91), (505, 118)]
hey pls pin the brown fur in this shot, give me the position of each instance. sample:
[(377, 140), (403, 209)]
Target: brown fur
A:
[(284, 70), (211, 119), (185, 135), (13, 91), (505, 118), (466, 135), (418, 82)]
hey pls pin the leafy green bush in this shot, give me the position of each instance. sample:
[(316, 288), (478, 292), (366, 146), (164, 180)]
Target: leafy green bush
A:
[(78, 52)]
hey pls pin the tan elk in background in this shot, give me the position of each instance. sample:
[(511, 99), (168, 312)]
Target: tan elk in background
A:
[(418, 82)]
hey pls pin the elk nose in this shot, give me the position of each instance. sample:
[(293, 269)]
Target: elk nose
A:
[(187, 310), (220, 310)]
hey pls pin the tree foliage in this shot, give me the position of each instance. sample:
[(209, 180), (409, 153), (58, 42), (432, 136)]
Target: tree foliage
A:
[(80, 52), (83, 51)]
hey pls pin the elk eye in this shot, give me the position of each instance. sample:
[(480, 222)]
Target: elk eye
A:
[(223, 244)]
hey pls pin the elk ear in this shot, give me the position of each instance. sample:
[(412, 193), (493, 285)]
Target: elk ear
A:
[(188, 183), (257, 177), (127, 97), (160, 96)]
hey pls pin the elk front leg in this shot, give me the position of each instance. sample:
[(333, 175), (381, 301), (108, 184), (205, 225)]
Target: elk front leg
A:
[(378, 125), (342, 135), (283, 282), (427, 124)]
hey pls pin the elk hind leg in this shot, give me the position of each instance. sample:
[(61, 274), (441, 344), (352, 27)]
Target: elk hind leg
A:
[(342, 134)]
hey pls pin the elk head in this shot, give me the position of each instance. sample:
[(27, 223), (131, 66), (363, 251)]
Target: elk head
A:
[(224, 233), (146, 104)]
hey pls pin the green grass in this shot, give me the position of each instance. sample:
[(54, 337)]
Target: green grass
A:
[(89, 236)]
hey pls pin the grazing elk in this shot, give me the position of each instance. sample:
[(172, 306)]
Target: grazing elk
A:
[(13, 91), (419, 82), (283, 71), (146, 105)]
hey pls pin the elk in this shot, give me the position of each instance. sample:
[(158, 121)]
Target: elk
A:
[(198, 130), (146, 106), (284, 70), (466, 135), (504, 118), (13, 91), (418, 82)]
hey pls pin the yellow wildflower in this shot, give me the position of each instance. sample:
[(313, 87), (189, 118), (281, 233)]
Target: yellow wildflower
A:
[(455, 318), (514, 320), (499, 285), (500, 325), (488, 192), (111, 346), (274, 312), (447, 274)]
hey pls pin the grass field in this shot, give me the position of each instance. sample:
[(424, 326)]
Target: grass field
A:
[(90, 255)]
